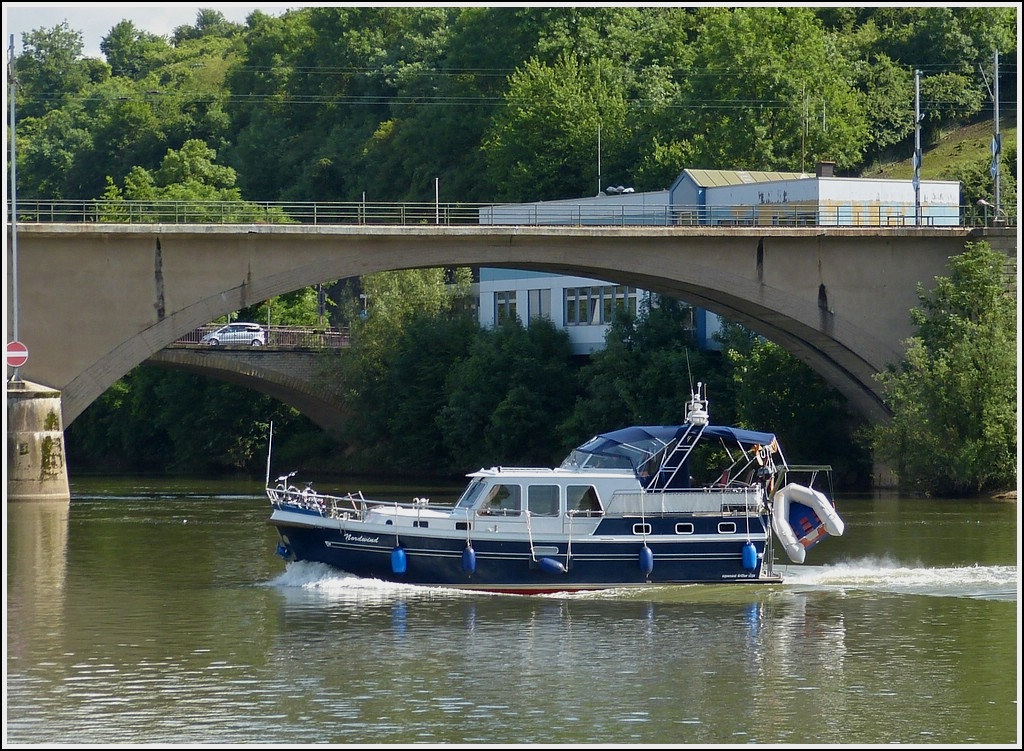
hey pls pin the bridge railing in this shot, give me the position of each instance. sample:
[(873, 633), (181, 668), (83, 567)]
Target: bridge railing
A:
[(567, 213), (279, 337)]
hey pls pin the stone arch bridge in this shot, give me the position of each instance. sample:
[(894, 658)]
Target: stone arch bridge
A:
[(96, 300)]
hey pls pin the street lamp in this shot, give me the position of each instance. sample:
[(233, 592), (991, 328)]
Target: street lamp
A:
[(995, 210)]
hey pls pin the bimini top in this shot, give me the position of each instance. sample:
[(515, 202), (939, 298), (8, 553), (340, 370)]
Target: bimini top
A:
[(633, 446)]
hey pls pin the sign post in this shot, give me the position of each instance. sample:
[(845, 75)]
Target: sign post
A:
[(17, 354)]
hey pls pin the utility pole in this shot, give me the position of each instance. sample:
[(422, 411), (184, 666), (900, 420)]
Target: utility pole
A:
[(917, 147), (14, 211), (997, 138)]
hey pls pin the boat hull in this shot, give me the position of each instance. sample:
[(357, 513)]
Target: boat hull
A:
[(524, 566)]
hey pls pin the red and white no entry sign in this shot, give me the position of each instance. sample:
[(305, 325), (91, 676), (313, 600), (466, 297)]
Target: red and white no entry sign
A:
[(17, 354)]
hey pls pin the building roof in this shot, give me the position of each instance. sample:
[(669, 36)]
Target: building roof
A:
[(715, 178)]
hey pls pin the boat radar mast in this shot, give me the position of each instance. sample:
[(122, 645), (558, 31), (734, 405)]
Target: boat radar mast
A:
[(697, 407)]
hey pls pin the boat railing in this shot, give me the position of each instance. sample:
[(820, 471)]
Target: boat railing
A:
[(312, 500), (697, 501), (348, 506), (805, 474)]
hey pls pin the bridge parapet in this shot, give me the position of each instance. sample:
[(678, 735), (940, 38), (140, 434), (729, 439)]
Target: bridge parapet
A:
[(585, 213), (279, 337)]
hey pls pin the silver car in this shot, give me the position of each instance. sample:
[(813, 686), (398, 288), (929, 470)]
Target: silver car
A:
[(236, 333)]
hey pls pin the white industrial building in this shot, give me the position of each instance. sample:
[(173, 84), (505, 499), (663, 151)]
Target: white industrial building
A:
[(584, 306), (739, 197)]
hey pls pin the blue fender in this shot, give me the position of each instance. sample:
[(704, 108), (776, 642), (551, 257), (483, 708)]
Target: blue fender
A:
[(646, 560), (469, 559), (398, 560)]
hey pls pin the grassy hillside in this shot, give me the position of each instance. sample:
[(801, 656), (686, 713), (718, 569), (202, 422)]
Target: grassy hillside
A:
[(967, 144)]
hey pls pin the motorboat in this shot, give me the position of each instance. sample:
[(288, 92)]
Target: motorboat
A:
[(638, 506)]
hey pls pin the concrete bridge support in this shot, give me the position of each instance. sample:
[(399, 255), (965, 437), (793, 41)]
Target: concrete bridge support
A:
[(36, 469)]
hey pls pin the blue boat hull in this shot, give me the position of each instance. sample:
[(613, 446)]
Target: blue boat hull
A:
[(515, 566)]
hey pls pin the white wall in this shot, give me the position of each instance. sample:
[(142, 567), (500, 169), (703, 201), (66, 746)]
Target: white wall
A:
[(584, 339), (649, 208)]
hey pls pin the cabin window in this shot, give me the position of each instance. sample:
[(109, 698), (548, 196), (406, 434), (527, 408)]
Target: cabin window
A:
[(503, 500), (543, 500), (684, 528), (726, 528), (470, 494), (641, 529), (582, 500)]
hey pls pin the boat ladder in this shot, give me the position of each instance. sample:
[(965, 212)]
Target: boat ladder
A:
[(676, 459)]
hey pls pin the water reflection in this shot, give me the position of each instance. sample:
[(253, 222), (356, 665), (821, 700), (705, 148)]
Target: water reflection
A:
[(606, 665), (37, 542), (156, 616)]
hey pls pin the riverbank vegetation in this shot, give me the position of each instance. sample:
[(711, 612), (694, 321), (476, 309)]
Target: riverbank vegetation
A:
[(510, 104)]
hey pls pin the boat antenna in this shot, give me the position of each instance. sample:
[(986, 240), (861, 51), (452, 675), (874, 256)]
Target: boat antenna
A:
[(689, 374)]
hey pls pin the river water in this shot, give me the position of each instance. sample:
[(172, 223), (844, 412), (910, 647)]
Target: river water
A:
[(156, 612)]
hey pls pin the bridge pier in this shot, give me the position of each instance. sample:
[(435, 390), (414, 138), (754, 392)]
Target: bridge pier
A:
[(36, 470)]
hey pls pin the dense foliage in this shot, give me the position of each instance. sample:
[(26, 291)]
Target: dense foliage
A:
[(500, 103), (490, 103), (954, 398)]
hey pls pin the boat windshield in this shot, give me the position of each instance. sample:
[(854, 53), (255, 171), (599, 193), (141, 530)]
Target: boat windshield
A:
[(626, 449), (471, 494), (635, 446)]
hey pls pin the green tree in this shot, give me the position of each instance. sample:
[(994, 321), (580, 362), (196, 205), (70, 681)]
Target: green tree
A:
[(976, 182), (416, 387), (48, 150), (644, 374), (954, 396), (772, 390), (133, 53), (192, 186), (507, 397), (770, 92), (397, 302), (544, 143), (51, 71), (208, 23), (156, 420)]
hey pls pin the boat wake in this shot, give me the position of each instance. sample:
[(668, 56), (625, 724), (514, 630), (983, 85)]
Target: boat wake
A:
[(320, 581), (327, 582), (886, 575)]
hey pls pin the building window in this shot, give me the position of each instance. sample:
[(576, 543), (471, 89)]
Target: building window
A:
[(619, 300), (596, 306), (504, 306), (539, 303)]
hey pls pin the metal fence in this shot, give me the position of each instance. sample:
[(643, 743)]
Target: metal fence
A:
[(279, 337), (564, 213)]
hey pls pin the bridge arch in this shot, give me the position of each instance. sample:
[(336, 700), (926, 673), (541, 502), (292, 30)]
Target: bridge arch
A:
[(98, 300), (289, 376)]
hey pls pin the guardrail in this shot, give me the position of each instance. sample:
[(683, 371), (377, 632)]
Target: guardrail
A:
[(279, 337), (588, 212)]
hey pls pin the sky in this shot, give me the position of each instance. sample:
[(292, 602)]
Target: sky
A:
[(95, 20)]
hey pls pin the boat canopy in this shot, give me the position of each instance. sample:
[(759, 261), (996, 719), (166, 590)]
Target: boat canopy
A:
[(633, 446)]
